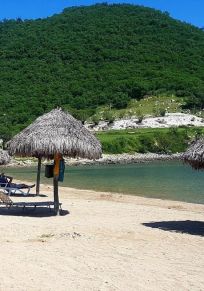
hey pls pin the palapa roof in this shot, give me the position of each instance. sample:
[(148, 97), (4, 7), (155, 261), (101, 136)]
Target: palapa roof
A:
[(195, 154), (4, 157), (55, 132)]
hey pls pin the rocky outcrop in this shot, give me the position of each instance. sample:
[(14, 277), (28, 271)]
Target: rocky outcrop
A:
[(169, 120)]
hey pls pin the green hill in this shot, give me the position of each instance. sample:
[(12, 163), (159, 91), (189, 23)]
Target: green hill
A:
[(88, 57)]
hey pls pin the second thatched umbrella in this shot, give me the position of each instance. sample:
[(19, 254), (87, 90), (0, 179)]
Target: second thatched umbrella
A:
[(53, 135), (195, 155), (4, 157)]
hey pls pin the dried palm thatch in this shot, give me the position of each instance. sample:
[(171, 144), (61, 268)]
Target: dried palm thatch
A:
[(55, 132), (4, 157), (195, 155)]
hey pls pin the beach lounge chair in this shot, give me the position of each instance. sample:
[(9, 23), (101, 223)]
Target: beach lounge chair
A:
[(12, 190), (6, 201)]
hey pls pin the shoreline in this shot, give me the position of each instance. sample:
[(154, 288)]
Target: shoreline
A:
[(127, 197), (126, 159), (106, 159), (89, 194), (114, 196), (122, 196)]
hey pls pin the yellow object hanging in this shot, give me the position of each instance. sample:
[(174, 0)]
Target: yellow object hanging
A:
[(57, 159)]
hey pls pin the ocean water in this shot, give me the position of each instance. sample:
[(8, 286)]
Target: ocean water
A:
[(165, 180)]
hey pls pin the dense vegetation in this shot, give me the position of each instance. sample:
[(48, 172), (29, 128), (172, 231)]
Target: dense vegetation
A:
[(172, 140), (88, 57)]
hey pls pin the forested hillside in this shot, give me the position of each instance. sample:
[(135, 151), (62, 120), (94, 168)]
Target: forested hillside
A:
[(91, 56)]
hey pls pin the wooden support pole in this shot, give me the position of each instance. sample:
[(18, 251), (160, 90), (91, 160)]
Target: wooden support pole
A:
[(56, 195), (38, 177), (57, 158)]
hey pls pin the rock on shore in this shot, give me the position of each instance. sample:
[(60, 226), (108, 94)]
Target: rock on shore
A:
[(125, 159), (106, 159)]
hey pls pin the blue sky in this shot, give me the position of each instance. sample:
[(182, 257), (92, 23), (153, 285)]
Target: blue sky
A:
[(191, 11)]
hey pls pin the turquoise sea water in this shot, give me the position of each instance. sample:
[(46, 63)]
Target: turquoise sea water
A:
[(166, 180)]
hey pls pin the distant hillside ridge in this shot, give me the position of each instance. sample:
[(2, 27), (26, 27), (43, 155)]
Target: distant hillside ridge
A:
[(98, 55)]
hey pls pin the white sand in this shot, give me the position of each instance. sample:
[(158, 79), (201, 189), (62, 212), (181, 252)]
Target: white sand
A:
[(102, 245)]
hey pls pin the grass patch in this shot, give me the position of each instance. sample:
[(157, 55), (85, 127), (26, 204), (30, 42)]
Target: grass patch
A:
[(162, 140), (152, 105)]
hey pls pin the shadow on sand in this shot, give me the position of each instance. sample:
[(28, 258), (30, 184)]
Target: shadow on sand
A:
[(29, 195), (30, 212), (186, 226)]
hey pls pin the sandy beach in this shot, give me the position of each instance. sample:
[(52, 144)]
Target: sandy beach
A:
[(106, 242)]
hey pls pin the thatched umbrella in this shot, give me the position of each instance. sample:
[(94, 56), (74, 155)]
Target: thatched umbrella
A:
[(52, 135), (4, 157), (195, 154)]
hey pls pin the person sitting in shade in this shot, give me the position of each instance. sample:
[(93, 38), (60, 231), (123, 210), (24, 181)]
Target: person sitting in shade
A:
[(6, 181)]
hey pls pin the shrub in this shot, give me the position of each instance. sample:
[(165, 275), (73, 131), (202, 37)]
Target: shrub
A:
[(108, 116), (147, 144), (95, 119), (121, 114), (120, 100), (140, 116), (172, 141), (162, 112), (82, 114), (121, 144), (159, 112)]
